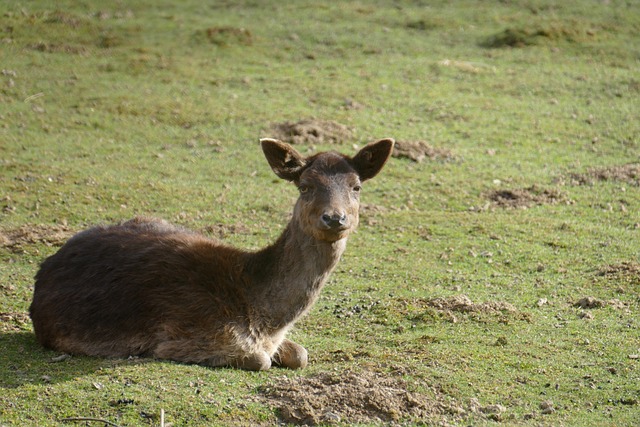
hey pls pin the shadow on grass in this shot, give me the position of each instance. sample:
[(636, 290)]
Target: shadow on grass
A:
[(23, 361)]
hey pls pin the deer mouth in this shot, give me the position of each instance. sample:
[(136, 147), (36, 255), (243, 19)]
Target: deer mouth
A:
[(332, 233)]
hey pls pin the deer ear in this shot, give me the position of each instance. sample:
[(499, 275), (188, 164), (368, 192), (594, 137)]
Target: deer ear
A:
[(368, 161), (285, 161)]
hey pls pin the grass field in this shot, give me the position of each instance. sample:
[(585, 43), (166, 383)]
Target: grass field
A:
[(495, 276)]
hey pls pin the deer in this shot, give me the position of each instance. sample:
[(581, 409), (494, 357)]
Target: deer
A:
[(148, 288)]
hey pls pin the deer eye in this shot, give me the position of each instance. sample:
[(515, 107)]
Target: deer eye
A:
[(357, 188), (303, 188)]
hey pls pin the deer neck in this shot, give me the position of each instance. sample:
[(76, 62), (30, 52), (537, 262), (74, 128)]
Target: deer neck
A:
[(290, 273)]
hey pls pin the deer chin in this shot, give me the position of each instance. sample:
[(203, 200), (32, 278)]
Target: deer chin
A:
[(331, 235), (321, 231)]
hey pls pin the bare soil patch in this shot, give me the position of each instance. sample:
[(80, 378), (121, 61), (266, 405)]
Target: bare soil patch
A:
[(523, 198), (426, 310), (625, 273), (370, 214), (539, 35), (449, 308), (629, 173), (350, 397), (51, 235), (311, 131), (593, 303), (590, 302), (420, 150), (463, 304)]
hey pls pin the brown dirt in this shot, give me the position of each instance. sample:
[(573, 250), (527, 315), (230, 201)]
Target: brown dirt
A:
[(592, 303), (449, 308), (51, 235), (463, 304), (533, 36), (364, 397), (370, 214), (523, 198), (622, 269), (311, 131), (420, 150), (629, 173), (626, 272)]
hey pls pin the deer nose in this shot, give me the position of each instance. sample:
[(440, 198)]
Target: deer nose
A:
[(336, 220)]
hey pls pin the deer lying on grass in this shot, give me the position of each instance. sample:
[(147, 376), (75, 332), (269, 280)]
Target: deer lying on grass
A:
[(146, 287)]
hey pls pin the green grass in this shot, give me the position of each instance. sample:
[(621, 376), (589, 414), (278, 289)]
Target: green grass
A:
[(155, 108)]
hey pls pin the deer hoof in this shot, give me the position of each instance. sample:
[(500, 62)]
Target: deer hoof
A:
[(291, 355), (254, 362)]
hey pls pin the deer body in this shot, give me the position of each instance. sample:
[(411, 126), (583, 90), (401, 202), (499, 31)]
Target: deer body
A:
[(146, 287)]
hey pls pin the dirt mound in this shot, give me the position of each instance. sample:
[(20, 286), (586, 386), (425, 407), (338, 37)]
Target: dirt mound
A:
[(449, 308), (463, 304), (524, 198), (623, 269), (50, 235), (592, 303), (311, 131), (420, 150), (541, 35), (625, 273), (629, 173), (349, 397)]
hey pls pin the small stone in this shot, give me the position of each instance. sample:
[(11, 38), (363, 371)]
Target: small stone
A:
[(60, 358)]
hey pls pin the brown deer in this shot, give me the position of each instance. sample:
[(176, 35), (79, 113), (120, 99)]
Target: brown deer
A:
[(146, 287)]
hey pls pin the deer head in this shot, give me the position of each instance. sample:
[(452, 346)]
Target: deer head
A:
[(329, 184)]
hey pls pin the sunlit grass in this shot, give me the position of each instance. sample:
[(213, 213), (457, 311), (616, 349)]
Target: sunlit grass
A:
[(155, 108)]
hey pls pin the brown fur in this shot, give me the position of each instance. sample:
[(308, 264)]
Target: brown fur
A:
[(146, 287)]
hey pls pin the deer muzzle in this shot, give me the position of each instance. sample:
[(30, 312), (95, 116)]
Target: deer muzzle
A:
[(335, 220)]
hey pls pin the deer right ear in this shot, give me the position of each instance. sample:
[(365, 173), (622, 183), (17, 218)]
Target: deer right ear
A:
[(372, 158), (285, 161)]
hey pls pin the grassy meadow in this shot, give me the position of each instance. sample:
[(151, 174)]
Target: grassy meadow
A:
[(495, 276)]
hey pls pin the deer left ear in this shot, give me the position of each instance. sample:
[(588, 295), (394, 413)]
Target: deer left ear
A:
[(285, 161), (372, 157)]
